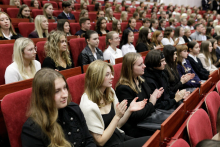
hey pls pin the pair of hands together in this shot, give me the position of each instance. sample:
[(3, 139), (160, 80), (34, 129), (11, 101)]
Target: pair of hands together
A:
[(185, 78)]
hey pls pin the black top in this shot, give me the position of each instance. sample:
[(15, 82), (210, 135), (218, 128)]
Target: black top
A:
[(157, 79), (205, 5), (214, 35), (198, 68), (100, 33), (135, 30), (48, 62), (186, 39), (86, 56), (53, 17), (73, 123), (63, 16), (141, 47), (217, 51), (34, 34), (12, 37), (80, 32)]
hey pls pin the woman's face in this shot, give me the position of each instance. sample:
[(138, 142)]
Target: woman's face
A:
[(162, 66), (196, 49), (184, 54), (171, 34), (36, 4), (133, 23), (4, 22), (17, 2), (115, 39), (155, 25), (29, 52), (49, 10), (144, 15), (61, 93), (66, 27), (130, 37), (86, 14), (108, 80), (210, 47), (85, 6), (94, 40), (138, 68), (119, 25), (44, 24), (103, 24), (155, 10), (160, 37), (181, 33), (63, 44), (174, 56), (111, 12), (215, 45), (149, 36), (26, 12)]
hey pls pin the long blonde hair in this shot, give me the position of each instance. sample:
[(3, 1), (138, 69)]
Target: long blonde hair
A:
[(52, 48), (38, 28), (217, 30), (94, 79), (205, 50), (11, 29), (44, 10), (123, 13), (127, 77), (117, 8), (107, 13), (43, 110), (18, 51)]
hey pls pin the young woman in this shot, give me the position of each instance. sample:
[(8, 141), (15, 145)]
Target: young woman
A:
[(57, 53), (41, 27), (109, 15), (48, 11), (118, 8), (154, 25), (167, 38), (24, 65), (15, 3), (53, 120), (126, 42), (132, 24), (35, 4), (184, 67), (83, 6), (64, 26), (186, 36), (98, 6), (193, 49), (124, 16), (91, 52), (136, 15), (205, 56), (208, 34), (103, 113), (123, 3), (116, 26), (112, 52), (143, 42), (154, 9), (83, 13), (127, 8), (146, 23), (138, 9), (7, 31), (178, 35), (215, 59), (142, 15), (24, 12), (156, 40), (101, 26)]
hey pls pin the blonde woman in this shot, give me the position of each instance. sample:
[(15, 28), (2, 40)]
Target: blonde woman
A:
[(15, 3), (24, 65), (109, 15), (189, 12), (84, 1), (57, 53), (217, 31), (48, 11), (184, 15), (83, 13), (103, 113), (83, 6), (116, 26), (41, 27), (124, 16), (118, 8), (53, 120)]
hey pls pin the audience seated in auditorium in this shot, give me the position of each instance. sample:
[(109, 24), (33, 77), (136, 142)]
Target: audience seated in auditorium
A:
[(156, 40), (85, 25), (66, 14), (57, 52), (193, 49), (7, 31), (104, 115), (64, 25), (24, 65), (126, 42), (186, 36), (153, 25), (83, 13), (197, 34), (51, 106), (101, 26), (132, 24), (35, 4), (178, 35), (48, 11), (116, 26), (24, 12), (167, 38), (112, 52), (162, 25), (146, 23), (15, 3), (215, 49), (109, 15), (41, 27), (91, 52), (144, 40)]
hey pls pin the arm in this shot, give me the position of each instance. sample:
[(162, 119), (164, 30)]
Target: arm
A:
[(11, 75)]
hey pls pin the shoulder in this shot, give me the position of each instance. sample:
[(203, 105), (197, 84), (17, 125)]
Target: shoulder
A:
[(12, 68), (201, 55), (118, 50), (37, 63), (48, 59), (123, 88)]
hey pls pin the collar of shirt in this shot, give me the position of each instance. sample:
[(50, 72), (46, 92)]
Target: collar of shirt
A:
[(112, 50), (9, 37), (67, 15), (194, 57), (184, 61)]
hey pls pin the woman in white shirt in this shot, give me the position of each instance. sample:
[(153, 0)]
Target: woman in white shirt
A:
[(178, 35), (24, 65), (126, 42), (167, 38), (112, 52)]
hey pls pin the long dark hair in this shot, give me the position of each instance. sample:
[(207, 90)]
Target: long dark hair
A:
[(213, 53), (143, 36), (88, 34), (209, 32), (191, 45), (99, 23), (124, 39), (60, 25), (177, 32), (167, 32), (20, 13), (97, 6)]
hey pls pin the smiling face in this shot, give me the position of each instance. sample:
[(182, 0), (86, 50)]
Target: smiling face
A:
[(66, 27), (4, 22), (26, 12), (29, 52)]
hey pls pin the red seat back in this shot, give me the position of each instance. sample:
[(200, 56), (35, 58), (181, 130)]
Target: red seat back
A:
[(6, 51), (74, 27), (138, 25), (117, 74), (77, 6), (60, 5), (136, 35), (25, 28), (212, 102), (13, 12), (117, 15), (102, 44), (52, 2), (124, 26), (40, 51), (76, 14), (91, 8), (28, 2), (180, 143), (36, 12), (52, 26), (76, 87), (14, 107), (57, 12), (199, 127), (109, 26), (92, 16)]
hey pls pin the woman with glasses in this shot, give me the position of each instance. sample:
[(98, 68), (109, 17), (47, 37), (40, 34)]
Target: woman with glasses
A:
[(24, 65)]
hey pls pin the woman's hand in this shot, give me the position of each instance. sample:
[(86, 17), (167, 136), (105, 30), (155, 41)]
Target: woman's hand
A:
[(157, 47), (121, 108), (176, 41), (179, 95), (187, 93), (155, 95), (136, 106)]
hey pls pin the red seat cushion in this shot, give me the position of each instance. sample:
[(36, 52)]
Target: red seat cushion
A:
[(53, 3), (199, 127), (13, 12), (6, 51), (212, 101), (76, 87), (180, 143), (36, 12), (117, 74), (14, 107), (117, 15), (41, 51), (25, 28)]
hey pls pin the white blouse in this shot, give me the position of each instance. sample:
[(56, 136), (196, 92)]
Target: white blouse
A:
[(110, 54), (166, 41), (181, 40), (127, 48)]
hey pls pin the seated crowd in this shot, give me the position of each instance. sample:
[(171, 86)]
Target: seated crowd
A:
[(176, 64)]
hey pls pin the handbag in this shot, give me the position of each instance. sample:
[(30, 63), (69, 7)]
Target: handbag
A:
[(154, 121)]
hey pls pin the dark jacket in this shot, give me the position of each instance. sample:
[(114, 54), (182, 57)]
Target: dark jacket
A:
[(217, 51), (193, 83), (80, 32), (157, 79), (63, 16), (160, 28), (215, 6), (100, 33), (49, 63), (34, 34), (186, 39), (198, 68), (86, 56), (12, 37), (135, 30), (73, 123), (141, 47), (205, 5)]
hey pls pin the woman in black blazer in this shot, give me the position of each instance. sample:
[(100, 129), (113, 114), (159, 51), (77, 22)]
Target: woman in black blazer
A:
[(186, 36)]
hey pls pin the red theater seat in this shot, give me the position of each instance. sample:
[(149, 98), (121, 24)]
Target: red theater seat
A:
[(36, 12), (6, 51), (91, 8), (92, 16), (76, 14), (13, 12), (57, 12), (109, 26), (77, 6), (28, 2), (76, 87), (14, 107), (136, 35), (102, 45), (117, 74), (52, 2), (180, 143), (25, 28), (52, 26), (41, 51), (117, 15)]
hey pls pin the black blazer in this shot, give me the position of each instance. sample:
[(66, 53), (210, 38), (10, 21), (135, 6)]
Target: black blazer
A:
[(86, 56), (160, 28), (34, 34), (12, 37), (205, 5), (100, 33), (141, 47), (215, 6), (186, 39), (73, 123), (63, 16), (217, 51), (198, 68)]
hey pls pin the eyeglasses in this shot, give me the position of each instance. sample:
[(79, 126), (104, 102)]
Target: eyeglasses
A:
[(33, 49)]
